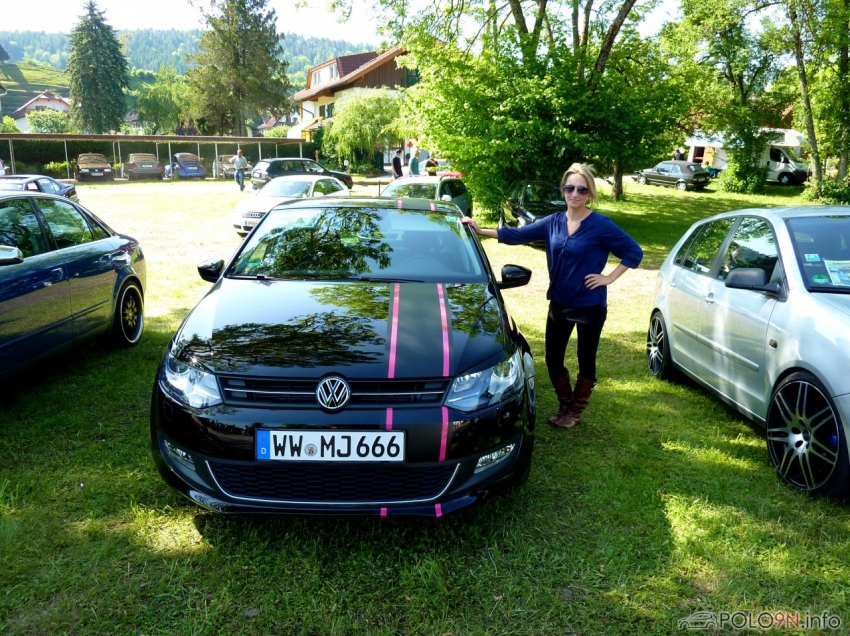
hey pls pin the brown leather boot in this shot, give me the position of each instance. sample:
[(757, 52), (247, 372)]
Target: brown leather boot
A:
[(564, 391), (581, 396)]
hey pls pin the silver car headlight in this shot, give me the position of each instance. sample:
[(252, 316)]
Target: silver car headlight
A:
[(189, 385), (478, 390)]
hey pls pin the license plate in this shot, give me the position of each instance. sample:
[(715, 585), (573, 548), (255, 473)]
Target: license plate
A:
[(147, 165), (250, 223), (330, 446), (96, 172)]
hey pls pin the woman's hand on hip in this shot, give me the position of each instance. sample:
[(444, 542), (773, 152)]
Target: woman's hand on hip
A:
[(592, 281)]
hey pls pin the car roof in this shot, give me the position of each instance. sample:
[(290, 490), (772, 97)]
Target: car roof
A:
[(424, 178), (783, 213), (25, 177), (142, 154), (382, 203), (680, 162), (11, 194), (304, 177)]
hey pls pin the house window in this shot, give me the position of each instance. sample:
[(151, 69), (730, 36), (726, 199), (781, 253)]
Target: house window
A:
[(321, 111), (412, 76), (330, 110)]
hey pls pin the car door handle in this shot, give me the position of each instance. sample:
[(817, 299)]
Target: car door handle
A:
[(56, 275), (709, 299)]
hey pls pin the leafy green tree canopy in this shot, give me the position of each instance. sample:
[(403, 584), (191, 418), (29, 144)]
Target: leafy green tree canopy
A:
[(97, 71), (362, 122), (163, 104), (8, 125), (49, 121), (240, 65)]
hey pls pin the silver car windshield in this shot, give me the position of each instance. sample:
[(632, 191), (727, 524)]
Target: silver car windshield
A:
[(411, 190), (361, 243), (822, 248), (286, 188)]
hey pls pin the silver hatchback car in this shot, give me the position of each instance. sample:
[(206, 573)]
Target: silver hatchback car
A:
[(449, 189), (755, 306)]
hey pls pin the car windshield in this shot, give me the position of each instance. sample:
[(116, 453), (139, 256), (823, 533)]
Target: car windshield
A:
[(359, 243), (286, 188), (91, 159), (411, 190), (545, 193), (822, 248)]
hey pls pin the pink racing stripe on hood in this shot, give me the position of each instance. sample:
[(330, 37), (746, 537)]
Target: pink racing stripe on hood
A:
[(394, 330)]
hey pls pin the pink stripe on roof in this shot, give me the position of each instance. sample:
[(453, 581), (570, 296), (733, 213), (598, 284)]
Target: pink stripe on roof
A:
[(433, 207), (445, 324), (444, 437), (394, 330), (399, 204)]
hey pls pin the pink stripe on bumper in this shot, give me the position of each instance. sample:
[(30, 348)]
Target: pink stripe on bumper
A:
[(383, 513), (444, 437), (438, 510), (389, 420)]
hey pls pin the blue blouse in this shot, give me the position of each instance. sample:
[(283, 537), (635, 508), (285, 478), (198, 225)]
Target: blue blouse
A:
[(571, 258)]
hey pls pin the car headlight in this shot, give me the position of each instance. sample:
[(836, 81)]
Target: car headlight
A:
[(189, 385), (478, 390)]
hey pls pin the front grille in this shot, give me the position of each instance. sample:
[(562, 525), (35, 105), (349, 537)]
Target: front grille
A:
[(242, 391), (304, 482)]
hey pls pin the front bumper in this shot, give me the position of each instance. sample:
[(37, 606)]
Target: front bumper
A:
[(209, 458)]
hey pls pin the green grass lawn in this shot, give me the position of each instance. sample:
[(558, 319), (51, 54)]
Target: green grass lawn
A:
[(661, 503)]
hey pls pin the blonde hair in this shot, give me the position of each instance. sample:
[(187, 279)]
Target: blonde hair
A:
[(586, 171)]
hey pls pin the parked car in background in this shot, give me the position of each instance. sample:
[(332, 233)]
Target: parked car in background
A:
[(529, 201), (93, 165), (755, 306), (185, 165), (354, 357), (436, 188), (268, 169), (38, 183), (65, 276), (682, 175), (282, 190), (142, 165), (224, 167), (445, 169)]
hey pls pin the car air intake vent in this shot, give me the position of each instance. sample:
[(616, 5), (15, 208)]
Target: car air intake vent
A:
[(302, 482), (245, 391)]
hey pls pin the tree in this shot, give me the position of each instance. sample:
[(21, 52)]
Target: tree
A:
[(48, 121), (362, 122), (239, 65), (97, 71), (163, 104), (4, 54), (8, 125)]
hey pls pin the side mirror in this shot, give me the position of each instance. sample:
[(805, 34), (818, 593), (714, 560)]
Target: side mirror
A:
[(514, 276), (751, 278), (210, 271), (10, 255), (446, 197)]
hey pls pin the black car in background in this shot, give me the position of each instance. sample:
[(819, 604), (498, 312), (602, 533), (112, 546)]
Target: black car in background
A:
[(351, 358), (93, 165), (268, 169), (682, 175), (529, 201), (38, 183)]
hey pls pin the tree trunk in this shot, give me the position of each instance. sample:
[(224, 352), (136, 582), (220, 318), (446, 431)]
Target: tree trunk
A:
[(804, 92), (617, 185), (844, 104), (608, 44)]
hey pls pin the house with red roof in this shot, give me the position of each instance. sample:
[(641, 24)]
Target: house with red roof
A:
[(44, 101)]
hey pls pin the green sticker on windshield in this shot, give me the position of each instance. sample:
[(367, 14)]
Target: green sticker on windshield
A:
[(820, 279)]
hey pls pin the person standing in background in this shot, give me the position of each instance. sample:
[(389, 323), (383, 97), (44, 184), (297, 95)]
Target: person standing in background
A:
[(414, 165), (240, 162), (397, 173)]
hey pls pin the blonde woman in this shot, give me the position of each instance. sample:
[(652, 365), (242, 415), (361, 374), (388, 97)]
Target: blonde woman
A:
[(578, 243)]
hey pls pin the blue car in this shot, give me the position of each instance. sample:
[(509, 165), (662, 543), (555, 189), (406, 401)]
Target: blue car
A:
[(65, 276), (185, 165)]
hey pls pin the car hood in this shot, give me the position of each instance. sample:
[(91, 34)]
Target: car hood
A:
[(360, 330)]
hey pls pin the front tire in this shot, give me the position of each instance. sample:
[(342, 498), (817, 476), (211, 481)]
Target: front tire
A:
[(805, 437), (785, 179), (658, 358), (642, 180), (129, 319)]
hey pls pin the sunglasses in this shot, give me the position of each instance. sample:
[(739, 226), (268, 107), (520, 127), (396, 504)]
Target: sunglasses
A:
[(580, 189)]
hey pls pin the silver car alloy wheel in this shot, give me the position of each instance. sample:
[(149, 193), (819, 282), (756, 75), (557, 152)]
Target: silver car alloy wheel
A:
[(657, 348), (803, 433)]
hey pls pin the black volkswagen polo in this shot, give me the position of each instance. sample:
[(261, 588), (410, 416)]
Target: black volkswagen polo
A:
[(353, 357)]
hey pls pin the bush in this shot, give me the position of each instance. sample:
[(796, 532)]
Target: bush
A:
[(58, 169), (829, 191), (743, 179)]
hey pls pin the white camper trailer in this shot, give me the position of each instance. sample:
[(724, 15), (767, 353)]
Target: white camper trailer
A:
[(781, 155)]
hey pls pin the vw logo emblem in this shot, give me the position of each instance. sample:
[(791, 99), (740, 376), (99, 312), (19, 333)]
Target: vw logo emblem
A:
[(333, 393)]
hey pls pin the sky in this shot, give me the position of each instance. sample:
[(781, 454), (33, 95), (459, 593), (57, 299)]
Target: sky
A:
[(60, 16)]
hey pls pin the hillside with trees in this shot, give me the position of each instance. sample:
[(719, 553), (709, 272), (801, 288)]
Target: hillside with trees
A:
[(149, 49)]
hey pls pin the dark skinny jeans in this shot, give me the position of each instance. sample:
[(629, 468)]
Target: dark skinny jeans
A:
[(560, 322)]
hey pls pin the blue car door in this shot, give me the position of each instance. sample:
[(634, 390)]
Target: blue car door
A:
[(87, 255), (35, 302)]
